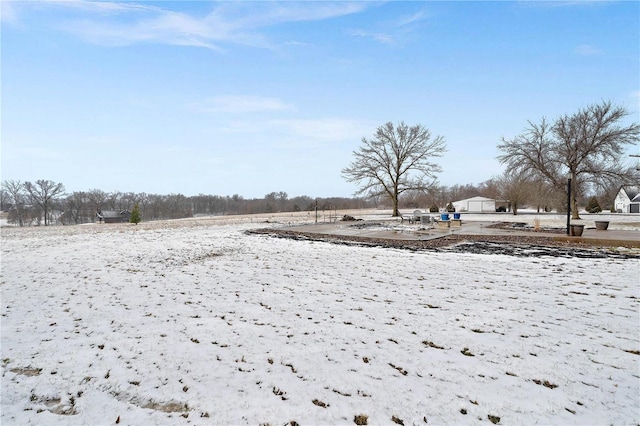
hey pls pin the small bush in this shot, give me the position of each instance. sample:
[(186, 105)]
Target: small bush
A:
[(433, 209), (593, 206), (450, 208)]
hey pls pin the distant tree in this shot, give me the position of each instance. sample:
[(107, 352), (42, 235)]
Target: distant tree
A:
[(593, 206), (177, 206), (516, 187), (4, 200), (460, 192), (127, 200), (437, 195), (282, 198), (78, 207), (16, 195), (395, 160), (112, 200), (44, 193), (587, 147), (143, 200), (135, 215), (490, 189), (97, 198)]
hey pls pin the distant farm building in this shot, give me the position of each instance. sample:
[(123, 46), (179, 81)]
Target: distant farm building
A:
[(111, 216), (480, 205), (628, 199)]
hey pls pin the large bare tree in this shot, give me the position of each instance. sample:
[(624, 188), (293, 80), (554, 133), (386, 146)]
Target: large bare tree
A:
[(44, 193), (587, 147), (397, 159)]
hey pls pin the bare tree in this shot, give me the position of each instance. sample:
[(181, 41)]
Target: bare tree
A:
[(79, 208), (97, 198), (4, 200), (44, 193), (16, 194), (490, 189), (586, 147), (516, 187), (397, 159), (113, 200)]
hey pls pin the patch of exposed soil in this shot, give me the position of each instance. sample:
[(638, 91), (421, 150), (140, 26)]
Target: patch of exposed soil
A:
[(513, 245), (522, 226)]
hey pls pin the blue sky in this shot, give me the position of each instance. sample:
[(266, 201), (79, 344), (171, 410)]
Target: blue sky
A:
[(250, 98)]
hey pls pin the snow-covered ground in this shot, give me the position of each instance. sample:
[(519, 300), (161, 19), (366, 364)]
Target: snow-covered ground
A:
[(196, 322)]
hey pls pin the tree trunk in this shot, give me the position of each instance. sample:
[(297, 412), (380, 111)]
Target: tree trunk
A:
[(394, 196), (574, 202), (574, 208)]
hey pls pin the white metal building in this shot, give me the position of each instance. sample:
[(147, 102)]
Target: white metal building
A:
[(475, 205)]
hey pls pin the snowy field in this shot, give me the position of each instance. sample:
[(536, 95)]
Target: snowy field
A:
[(196, 322)]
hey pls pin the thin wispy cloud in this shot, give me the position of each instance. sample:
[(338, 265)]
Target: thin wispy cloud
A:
[(242, 104), (562, 3), (323, 129), (103, 7), (394, 31), (376, 36), (588, 50), (265, 14), (411, 19), (228, 23), (296, 131)]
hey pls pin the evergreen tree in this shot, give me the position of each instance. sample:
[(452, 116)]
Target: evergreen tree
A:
[(593, 206), (135, 215)]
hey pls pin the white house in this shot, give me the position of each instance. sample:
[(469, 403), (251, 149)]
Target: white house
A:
[(475, 205), (628, 199)]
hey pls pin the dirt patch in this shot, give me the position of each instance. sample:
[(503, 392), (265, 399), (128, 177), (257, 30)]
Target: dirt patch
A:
[(27, 371), (513, 245), (523, 226), (165, 407)]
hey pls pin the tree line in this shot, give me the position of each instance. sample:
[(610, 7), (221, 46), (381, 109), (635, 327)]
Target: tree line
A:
[(45, 202), (395, 168)]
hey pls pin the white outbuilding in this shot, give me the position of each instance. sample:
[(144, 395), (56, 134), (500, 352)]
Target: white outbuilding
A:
[(475, 205)]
